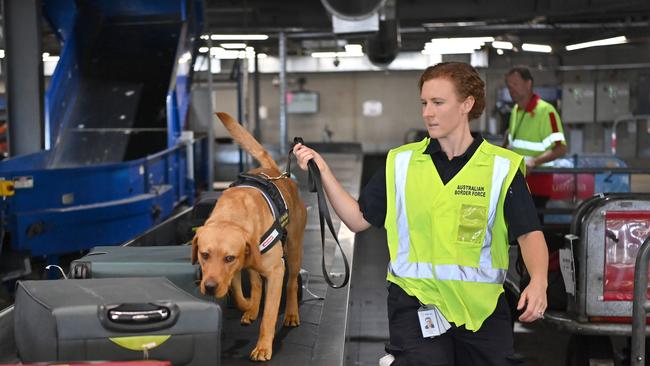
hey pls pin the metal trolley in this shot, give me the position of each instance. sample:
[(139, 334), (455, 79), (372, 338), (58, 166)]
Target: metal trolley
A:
[(598, 266)]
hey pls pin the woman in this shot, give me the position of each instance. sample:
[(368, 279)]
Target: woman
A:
[(449, 204)]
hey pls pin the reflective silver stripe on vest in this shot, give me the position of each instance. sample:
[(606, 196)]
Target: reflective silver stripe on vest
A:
[(470, 274), (401, 267), (537, 146), (485, 273)]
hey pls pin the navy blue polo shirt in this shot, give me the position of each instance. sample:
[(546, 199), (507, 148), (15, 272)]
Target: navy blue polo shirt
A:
[(519, 209)]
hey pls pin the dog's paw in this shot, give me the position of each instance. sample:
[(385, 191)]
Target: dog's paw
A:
[(261, 353), (291, 320), (247, 318)]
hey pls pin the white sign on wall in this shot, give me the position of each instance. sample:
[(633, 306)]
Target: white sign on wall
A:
[(372, 108)]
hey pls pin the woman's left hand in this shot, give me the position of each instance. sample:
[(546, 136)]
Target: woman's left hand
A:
[(533, 299)]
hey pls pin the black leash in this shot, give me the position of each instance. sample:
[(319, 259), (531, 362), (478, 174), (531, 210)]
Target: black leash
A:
[(315, 185)]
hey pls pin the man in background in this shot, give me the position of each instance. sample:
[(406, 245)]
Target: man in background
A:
[(535, 129)]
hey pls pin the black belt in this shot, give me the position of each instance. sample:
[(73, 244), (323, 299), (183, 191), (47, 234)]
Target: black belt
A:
[(316, 185)]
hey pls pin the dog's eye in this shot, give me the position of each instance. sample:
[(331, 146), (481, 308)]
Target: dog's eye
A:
[(229, 258), (205, 256)]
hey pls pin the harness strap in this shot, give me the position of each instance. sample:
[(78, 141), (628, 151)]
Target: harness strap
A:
[(276, 202)]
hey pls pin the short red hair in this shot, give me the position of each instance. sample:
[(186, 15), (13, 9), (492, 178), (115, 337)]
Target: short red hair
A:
[(466, 80)]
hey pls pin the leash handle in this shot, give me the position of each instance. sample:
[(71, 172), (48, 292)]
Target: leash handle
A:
[(316, 185), (311, 165)]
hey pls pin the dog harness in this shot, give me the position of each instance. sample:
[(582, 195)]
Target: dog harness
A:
[(276, 202)]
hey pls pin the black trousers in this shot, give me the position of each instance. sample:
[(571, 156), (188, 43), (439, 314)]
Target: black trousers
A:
[(491, 345)]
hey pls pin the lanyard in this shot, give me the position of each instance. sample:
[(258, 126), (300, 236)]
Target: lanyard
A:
[(517, 125)]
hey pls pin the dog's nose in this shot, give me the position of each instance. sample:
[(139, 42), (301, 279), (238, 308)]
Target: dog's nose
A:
[(210, 288)]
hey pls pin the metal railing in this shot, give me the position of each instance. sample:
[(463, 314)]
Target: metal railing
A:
[(640, 304)]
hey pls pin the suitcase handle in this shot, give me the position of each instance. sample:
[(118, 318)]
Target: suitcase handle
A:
[(138, 317)]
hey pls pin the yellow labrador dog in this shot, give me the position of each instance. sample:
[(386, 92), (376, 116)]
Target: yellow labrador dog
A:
[(229, 242)]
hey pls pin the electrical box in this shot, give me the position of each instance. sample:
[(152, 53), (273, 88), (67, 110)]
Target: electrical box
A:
[(612, 100), (578, 102)]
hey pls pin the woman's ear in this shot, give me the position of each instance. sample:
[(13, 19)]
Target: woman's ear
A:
[(468, 103)]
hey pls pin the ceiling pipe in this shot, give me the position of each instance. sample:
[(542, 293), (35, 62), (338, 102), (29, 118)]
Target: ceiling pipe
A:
[(353, 9), (383, 46)]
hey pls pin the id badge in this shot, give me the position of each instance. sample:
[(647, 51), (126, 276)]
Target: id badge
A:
[(432, 322)]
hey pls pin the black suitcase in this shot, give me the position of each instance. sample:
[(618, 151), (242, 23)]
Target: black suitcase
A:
[(171, 261), (116, 320)]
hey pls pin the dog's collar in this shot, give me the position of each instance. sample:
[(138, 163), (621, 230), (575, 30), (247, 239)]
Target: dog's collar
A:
[(276, 202)]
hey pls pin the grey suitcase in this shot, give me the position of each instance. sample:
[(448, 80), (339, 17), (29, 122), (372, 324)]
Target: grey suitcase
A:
[(172, 262), (115, 319)]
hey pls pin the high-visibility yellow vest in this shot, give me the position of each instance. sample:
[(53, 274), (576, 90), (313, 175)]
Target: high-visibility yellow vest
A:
[(448, 243), (536, 129)]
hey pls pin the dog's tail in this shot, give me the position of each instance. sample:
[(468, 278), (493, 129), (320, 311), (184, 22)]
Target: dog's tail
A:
[(247, 142)]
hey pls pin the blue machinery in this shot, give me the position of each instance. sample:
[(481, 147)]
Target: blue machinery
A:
[(115, 110)]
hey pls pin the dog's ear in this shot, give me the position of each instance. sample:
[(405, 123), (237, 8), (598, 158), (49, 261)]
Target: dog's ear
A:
[(195, 246), (252, 251), (249, 243)]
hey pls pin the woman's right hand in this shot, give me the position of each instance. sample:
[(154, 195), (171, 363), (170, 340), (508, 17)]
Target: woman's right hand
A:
[(304, 154)]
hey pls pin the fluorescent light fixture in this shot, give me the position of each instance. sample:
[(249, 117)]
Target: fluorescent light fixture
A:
[(453, 24), (503, 45), (2, 53), (499, 51), (351, 50), (531, 47), (351, 47), (205, 36), (233, 46), (324, 54), (445, 46), (239, 37), (221, 53), (600, 42), (203, 49), (224, 54)]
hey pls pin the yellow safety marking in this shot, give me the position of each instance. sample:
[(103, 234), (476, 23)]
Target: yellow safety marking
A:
[(7, 188), (140, 343)]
